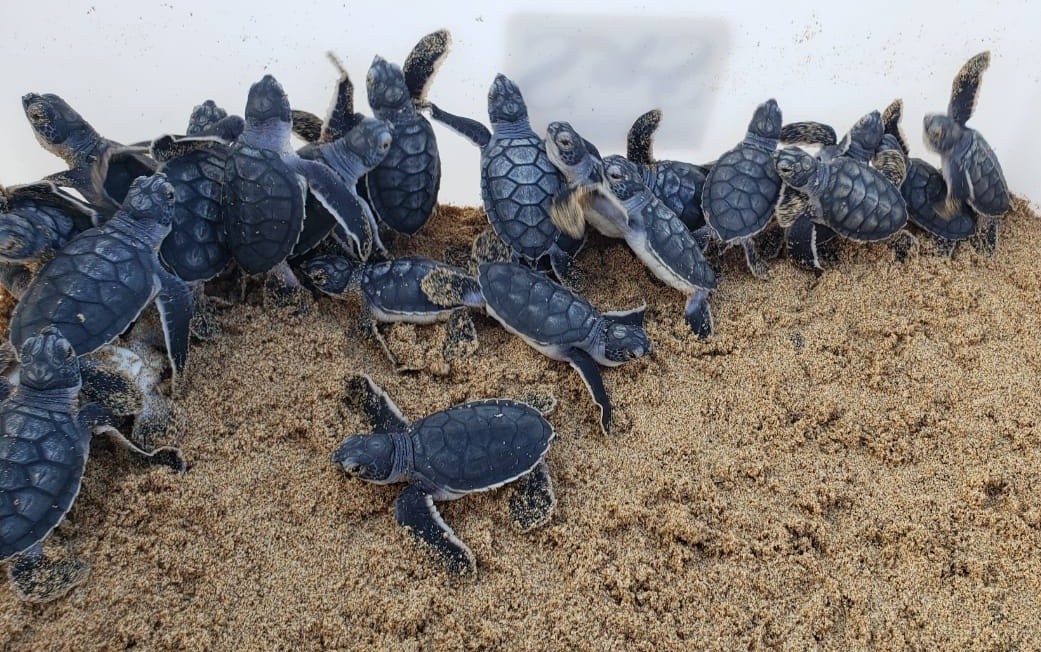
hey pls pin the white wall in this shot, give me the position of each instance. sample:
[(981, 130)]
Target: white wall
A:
[(136, 71)]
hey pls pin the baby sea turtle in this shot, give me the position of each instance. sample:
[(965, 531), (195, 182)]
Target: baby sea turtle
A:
[(96, 286), (36, 220), (925, 191), (465, 449), (853, 199), (403, 187), (399, 291), (562, 325), (99, 169), (676, 183), (742, 188), (265, 189), (970, 167), (662, 242), (586, 198), (518, 181), (44, 442)]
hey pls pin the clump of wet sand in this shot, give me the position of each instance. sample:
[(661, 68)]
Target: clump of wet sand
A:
[(852, 461)]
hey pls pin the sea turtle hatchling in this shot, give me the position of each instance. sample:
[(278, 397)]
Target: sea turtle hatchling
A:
[(562, 325), (404, 290), (44, 442), (403, 186), (518, 181), (742, 188), (102, 280), (969, 165), (465, 449), (101, 170)]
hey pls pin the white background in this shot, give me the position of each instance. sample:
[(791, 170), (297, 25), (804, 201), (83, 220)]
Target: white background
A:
[(135, 71)]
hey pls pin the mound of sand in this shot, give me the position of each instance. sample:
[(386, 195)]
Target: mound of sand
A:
[(852, 462)]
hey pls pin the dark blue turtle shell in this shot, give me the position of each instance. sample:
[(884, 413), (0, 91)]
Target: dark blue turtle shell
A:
[(679, 186), (403, 187), (43, 451), (669, 240), (990, 194), (858, 202), (196, 249), (477, 446), (92, 290), (395, 285), (518, 182), (534, 306), (741, 191), (263, 205), (924, 189)]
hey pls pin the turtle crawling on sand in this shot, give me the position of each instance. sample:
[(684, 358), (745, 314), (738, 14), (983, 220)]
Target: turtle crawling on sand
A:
[(469, 448), (403, 290), (44, 442)]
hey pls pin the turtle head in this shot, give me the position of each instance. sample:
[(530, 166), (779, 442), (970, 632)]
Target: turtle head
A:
[(866, 134), (19, 241), (151, 199), (505, 102), (58, 127), (623, 177), (49, 362), (795, 167), (564, 146), (367, 457), (370, 140), (941, 133), (386, 86), (204, 116), (267, 103), (333, 275), (622, 337), (766, 121)]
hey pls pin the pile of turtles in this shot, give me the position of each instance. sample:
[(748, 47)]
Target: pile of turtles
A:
[(87, 251)]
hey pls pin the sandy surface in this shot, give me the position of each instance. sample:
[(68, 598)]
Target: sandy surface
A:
[(854, 461)]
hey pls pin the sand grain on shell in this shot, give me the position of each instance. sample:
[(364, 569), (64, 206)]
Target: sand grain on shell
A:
[(853, 461)]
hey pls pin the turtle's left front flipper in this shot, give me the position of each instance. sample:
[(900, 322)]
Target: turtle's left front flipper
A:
[(175, 310)]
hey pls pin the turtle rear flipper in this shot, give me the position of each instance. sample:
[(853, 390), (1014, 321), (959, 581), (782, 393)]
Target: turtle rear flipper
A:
[(965, 89), (36, 579), (589, 371), (414, 509), (640, 139), (985, 241), (698, 314), (424, 60), (488, 247), (532, 502), (460, 336), (100, 421), (808, 133)]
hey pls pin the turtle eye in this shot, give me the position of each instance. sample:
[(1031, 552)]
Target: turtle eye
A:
[(614, 173), (384, 143), (37, 114), (618, 332), (564, 140), (784, 166), (65, 349)]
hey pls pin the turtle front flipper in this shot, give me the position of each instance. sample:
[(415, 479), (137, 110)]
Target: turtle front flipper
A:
[(100, 421), (589, 371), (801, 242), (354, 218), (470, 129), (808, 133), (15, 278), (307, 125), (414, 509), (891, 123), (965, 89), (892, 164), (640, 139), (175, 310), (533, 500), (124, 165), (80, 180), (423, 62), (447, 287), (166, 148), (36, 579), (383, 414), (342, 117)]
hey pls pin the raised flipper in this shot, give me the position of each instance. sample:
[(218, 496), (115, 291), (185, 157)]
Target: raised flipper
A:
[(793, 206), (532, 502), (384, 416), (175, 311), (640, 139), (589, 371), (460, 336), (808, 133), (307, 126), (342, 202), (756, 265), (965, 89), (566, 212), (447, 287), (124, 165), (698, 314), (472, 130), (169, 147), (423, 62), (100, 421), (892, 164), (415, 510), (36, 579), (891, 123)]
